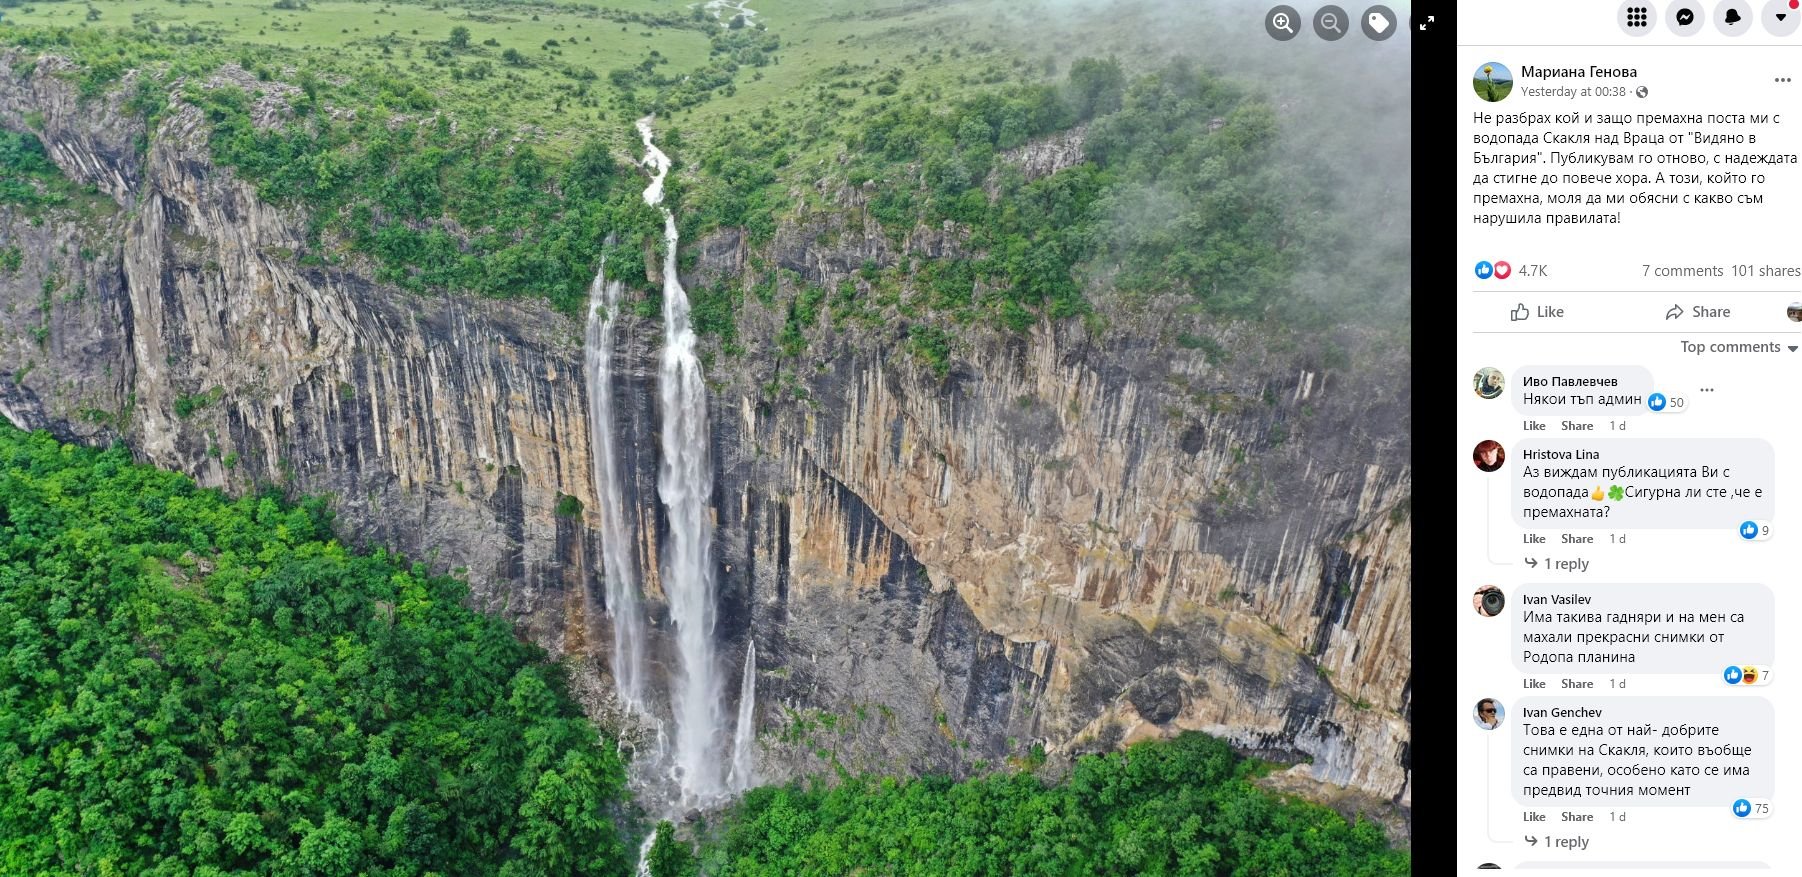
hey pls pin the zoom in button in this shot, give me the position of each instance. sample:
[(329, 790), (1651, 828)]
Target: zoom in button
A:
[(1283, 23)]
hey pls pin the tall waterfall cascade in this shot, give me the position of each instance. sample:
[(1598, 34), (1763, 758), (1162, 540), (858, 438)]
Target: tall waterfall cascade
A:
[(685, 484), (701, 765), (623, 602)]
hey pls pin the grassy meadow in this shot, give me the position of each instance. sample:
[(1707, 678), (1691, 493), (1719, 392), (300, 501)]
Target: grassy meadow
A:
[(764, 119)]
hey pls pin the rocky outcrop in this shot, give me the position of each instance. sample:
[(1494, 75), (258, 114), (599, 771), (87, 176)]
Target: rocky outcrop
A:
[(1076, 538), (1042, 158)]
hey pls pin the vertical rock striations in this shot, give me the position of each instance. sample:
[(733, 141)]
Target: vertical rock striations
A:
[(1071, 539)]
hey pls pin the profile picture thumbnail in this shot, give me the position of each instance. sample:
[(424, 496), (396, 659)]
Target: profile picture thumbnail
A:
[(1489, 601), (1493, 81), (1488, 456), (1488, 714), (1795, 312), (1489, 382)]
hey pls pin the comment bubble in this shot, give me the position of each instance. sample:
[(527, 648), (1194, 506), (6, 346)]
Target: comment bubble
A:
[(1599, 390), (1649, 751), (1663, 628), (1657, 483)]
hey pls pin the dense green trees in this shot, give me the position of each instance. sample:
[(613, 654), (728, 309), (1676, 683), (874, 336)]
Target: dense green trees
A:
[(439, 199), (199, 686), (1096, 86), (439, 208), (1178, 188), (670, 857), (27, 176), (1187, 807)]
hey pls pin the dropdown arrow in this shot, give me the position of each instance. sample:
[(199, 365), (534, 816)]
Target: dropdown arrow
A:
[(1792, 348), (1782, 15)]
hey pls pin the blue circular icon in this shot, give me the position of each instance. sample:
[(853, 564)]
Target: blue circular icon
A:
[(1656, 401), (1484, 269), (1732, 675), (1748, 530), (1742, 808)]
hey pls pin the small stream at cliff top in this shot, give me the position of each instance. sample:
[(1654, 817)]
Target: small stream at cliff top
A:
[(720, 8), (699, 762)]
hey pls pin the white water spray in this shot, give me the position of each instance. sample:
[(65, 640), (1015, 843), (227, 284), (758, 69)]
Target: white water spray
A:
[(721, 8), (644, 855), (742, 736), (623, 602), (685, 483)]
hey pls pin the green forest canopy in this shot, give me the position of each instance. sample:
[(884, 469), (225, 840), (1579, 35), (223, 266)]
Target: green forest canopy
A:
[(1186, 807), (193, 685)]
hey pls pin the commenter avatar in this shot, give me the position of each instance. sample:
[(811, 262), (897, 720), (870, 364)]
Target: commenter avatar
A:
[(1493, 81), (1488, 714), (1489, 383), (1488, 601), (1488, 456)]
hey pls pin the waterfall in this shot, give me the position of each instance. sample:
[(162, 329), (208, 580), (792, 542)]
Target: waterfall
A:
[(742, 737), (616, 540), (644, 855), (685, 484)]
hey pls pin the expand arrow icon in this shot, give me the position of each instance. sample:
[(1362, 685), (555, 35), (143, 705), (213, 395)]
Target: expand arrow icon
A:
[(1532, 562), (1532, 841)]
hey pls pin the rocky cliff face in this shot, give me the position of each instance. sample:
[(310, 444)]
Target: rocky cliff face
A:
[(1076, 538), (1123, 536)]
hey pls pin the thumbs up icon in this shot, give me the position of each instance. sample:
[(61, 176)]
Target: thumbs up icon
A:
[(1518, 314)]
